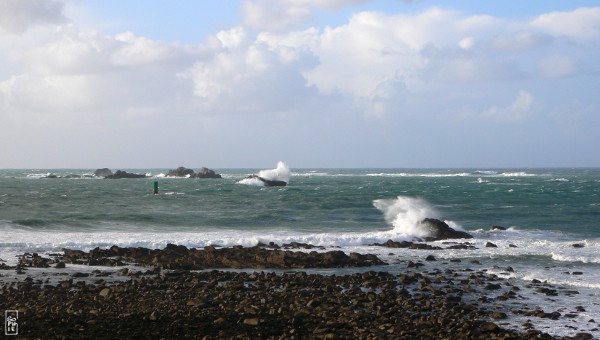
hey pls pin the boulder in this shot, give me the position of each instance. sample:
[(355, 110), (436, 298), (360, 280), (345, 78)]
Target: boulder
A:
[(104, 172), (206, 173), (122, 174), (181, 172), (439, 230)]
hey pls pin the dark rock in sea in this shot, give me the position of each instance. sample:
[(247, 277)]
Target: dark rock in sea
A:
[(578, 245), (430, 258), (104, 172), (493, 286), (180, 172), (122, 174), (439, 230), (462, 246), (547, 291), (180, 257), (497, 227), (269, 183), (185, 172), (406, 244), (206, 173), (299, 245), (490, 245)]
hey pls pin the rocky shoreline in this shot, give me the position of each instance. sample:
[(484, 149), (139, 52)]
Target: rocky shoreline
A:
[(165, 295)]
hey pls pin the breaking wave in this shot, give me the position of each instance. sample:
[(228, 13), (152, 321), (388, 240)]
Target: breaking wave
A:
[(280, 173)]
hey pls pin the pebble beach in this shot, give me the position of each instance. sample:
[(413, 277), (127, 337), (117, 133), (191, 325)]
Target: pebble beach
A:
[(174, 293)]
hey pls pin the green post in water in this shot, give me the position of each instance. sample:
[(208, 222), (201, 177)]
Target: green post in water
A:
[(156, 187)]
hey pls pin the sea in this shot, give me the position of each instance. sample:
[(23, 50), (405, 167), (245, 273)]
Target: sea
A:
[(551, 219)]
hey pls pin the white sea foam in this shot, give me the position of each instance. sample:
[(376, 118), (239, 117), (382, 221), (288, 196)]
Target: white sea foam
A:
[(280, 173), (430, 175), (405, 214), (487, 172), (39, 175), (517, 174), (575, 258)]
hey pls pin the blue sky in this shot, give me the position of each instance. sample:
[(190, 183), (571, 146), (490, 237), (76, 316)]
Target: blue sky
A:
[(334, 83)]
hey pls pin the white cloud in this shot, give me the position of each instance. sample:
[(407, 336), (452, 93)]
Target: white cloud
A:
[(232, 38), (520, 109), (16, 16), (581, 24), (466, 43), (411, 71)]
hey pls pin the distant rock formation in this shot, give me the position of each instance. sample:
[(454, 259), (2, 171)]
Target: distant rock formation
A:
[(207, 173), (439, 230), (185, 172), (122, 174), (103, 172), (268, 182), (180, 172)]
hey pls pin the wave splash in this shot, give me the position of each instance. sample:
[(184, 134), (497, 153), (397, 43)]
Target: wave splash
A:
[(280, 173), (405, 215)]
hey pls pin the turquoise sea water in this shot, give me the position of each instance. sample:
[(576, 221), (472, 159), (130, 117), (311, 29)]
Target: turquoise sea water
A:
[(546, 212), (322, 200)]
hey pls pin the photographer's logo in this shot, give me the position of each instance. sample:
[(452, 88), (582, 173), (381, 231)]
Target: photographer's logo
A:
[(11, 324)]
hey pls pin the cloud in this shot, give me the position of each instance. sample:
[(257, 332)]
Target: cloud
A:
[(581, 24), (520, 109), (386, 77), (16, 16)]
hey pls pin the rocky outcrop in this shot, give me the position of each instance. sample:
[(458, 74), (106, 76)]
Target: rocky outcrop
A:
[(122, 174), (206, 173), (185, 172), (268, 182), (439, 230), (406, 244), (180, 172), (180, 257), (104, 172)]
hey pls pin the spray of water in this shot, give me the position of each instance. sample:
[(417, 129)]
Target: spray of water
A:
[(405, 214), (280, 173)]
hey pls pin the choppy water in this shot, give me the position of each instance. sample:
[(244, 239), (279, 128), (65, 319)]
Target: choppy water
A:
[(546, 211)]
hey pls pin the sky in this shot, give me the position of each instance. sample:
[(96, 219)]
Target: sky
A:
[(313, 83)]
